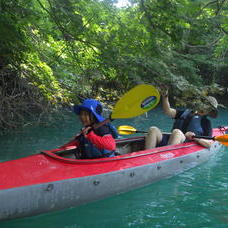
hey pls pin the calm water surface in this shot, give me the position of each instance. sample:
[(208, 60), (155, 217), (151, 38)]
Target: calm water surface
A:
[(195, 198)]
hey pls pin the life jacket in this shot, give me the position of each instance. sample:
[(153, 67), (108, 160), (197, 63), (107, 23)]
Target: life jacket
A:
[(195, 125), (189, 122), (113, 131), (206, 125), (182, 121), (89, 150)]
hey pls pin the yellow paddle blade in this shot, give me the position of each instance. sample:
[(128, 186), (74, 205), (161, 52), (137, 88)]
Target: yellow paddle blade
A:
[(136, 101), (222, 139), (126, 130)]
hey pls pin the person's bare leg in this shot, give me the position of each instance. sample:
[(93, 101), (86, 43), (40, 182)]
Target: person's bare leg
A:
[(176, 137), (153, 137)]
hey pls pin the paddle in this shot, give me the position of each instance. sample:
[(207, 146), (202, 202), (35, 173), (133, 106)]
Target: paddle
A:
[(221, 138), (135, 102), (128, 130), (140, 99)]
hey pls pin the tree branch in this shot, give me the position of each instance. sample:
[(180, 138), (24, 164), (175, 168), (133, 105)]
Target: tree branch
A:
[(213, 43)]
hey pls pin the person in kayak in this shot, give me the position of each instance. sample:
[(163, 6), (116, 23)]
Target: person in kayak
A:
[(187, 124), (94, 142)]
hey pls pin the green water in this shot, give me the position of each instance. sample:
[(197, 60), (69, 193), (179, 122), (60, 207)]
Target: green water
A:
[(195, 198)]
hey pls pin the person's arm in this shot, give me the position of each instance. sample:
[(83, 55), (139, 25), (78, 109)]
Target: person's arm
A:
[(166, 106), (203, 142), (106, 142)]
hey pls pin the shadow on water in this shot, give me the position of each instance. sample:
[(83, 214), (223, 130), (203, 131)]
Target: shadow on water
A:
[(195, 198)]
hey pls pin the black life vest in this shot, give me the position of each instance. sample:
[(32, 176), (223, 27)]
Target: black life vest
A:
[(182, 121), (188, 121)]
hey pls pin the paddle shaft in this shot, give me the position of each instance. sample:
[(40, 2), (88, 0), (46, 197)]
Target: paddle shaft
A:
[(141, 131), (204, 137), (133, 130), (97, 125), (196, 136), (127, 130)]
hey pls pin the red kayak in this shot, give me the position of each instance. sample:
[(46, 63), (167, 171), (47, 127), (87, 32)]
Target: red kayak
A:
[(56, 179)]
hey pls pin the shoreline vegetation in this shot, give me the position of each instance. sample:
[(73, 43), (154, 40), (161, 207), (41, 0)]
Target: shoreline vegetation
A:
[(55, 53)]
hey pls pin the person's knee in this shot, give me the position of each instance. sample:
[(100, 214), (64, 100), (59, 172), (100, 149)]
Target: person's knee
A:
[(153, 137), (178, 135), (154, 130), (177, 132)]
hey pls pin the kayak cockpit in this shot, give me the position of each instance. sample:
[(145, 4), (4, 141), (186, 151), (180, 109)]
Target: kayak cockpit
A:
[(129, 148), (126, 148), (123, 147)]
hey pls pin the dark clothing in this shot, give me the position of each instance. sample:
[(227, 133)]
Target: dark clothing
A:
[(182, 119), (186, 120), (207, 127), (165, 139)]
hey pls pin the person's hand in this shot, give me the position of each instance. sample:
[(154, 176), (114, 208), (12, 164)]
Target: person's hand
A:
[(189, 135), (86, 130), (164, 91)]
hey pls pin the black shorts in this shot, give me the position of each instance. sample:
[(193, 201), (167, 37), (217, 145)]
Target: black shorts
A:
[(165, 139)]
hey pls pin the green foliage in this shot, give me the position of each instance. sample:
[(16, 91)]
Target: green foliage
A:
[(69, 49)]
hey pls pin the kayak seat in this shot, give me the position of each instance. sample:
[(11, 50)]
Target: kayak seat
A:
[(130, 145)]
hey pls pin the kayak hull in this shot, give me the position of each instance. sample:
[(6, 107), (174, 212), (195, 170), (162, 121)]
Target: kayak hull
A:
[(37, 198)]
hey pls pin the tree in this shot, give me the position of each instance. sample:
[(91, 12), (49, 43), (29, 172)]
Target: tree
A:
[(55, 52)]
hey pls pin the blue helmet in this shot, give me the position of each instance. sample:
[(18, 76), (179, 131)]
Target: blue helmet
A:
[(92, 106)]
